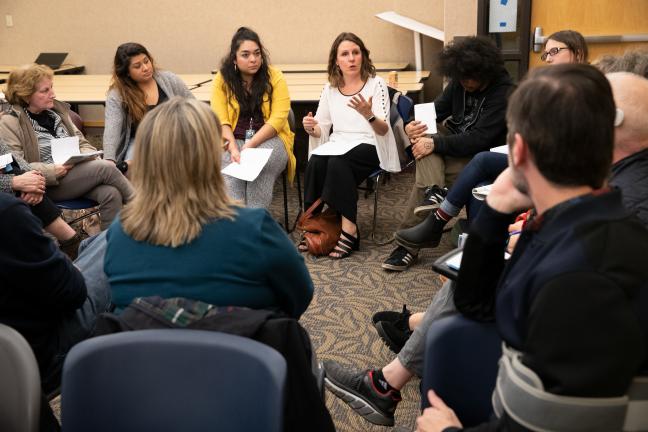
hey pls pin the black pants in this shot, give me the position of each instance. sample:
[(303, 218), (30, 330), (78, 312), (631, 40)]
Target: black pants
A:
[(336, 178), (46, 211)]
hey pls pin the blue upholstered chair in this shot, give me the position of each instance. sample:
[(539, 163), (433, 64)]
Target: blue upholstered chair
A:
[(172, 380), (91, 206), (461, 358)]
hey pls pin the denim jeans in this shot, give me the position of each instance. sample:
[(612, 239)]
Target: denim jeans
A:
[(483, 169), (81, 324)]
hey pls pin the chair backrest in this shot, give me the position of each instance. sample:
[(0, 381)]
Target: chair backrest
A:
[(461, 358), (20, 388), (172, 380), (404, 106), (399, 112), (291, 120)]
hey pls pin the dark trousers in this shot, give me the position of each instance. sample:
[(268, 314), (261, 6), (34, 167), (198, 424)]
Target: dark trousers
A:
[(46, 211), (482, 169), (336, 178)]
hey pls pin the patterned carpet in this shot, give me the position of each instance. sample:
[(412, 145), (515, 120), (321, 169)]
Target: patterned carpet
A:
[(348, 292)]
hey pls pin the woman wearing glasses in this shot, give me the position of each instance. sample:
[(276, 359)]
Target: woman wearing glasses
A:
[(565, 46)]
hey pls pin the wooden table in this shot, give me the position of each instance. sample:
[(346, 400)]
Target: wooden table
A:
[(322, 77), (63, 70), (92, 89), (323, 67)]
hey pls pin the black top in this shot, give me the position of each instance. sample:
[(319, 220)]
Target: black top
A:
[(39, 285), (44, 120), (572, 298), (243, 124), (477, 120), (162, 97)]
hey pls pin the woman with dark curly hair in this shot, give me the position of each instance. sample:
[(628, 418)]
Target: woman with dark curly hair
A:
[(251, 100)]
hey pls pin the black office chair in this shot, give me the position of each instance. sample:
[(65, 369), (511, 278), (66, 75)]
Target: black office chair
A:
[(172, 380), (284, 177), (400, 111)]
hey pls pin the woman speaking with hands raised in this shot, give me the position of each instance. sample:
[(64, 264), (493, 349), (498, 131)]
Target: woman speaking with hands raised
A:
[(355, 102)]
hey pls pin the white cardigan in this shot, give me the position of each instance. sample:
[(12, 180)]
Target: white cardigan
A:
[(349, 126)]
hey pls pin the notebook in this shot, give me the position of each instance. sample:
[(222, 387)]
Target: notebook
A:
[(53, 60)]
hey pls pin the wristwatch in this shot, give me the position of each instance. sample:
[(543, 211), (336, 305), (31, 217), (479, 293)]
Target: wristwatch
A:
[(122, 166), (371, 119)]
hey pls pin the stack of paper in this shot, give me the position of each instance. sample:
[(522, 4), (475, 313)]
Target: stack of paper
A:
[(65, 151)]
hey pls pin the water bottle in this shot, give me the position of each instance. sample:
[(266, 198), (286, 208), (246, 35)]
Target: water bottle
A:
[(249, 133)]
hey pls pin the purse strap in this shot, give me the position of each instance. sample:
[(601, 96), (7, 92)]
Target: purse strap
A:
[(312, 208)]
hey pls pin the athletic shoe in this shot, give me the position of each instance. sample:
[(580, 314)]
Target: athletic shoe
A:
[(399, 260), (356, 389), (434, 196)]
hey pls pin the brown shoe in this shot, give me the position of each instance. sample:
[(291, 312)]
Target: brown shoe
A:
[(70, 247)]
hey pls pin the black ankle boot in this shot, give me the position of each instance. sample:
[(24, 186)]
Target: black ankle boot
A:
[(427, 234)]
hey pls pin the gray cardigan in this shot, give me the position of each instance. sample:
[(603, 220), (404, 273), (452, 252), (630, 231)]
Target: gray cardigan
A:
[(5, 179), (118, 123)]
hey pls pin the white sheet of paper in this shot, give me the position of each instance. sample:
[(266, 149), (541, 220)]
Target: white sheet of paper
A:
[(64, 148), (481, 192), (455, 261), (73, 160), (426, 113), (5, 160), (252, 162), (500, 149), (333, 148)]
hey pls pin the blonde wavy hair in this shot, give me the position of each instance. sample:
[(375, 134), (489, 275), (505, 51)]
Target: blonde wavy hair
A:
[(176, 175), (21, 84)]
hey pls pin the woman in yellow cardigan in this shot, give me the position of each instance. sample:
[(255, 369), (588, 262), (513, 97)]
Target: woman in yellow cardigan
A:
[(251, 100)]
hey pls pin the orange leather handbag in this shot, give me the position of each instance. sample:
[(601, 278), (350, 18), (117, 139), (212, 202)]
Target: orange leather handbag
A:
[(321, 231)]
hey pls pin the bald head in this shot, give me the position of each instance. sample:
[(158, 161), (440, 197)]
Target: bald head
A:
[(631, 96)]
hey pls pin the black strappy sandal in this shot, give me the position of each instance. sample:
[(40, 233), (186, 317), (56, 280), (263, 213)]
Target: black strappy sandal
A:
[(345, 245)]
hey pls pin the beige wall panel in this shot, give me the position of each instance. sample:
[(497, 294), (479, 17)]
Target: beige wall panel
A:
[(592, 17), (429, 12), (460, 18), (191, 36)]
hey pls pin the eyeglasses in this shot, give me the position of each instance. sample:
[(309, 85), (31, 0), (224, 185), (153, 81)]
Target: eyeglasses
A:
[(552, 52)]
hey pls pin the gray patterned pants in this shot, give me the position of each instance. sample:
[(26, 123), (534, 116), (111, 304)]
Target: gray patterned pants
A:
[(413, 353), (258, 194)]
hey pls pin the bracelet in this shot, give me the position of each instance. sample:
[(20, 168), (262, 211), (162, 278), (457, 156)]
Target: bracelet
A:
[(371, 119)]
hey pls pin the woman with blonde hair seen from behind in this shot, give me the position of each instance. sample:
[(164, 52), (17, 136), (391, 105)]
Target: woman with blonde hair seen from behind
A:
[(251, 99), (35, 119), (182, 236), (355, 103), (137, 86)]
